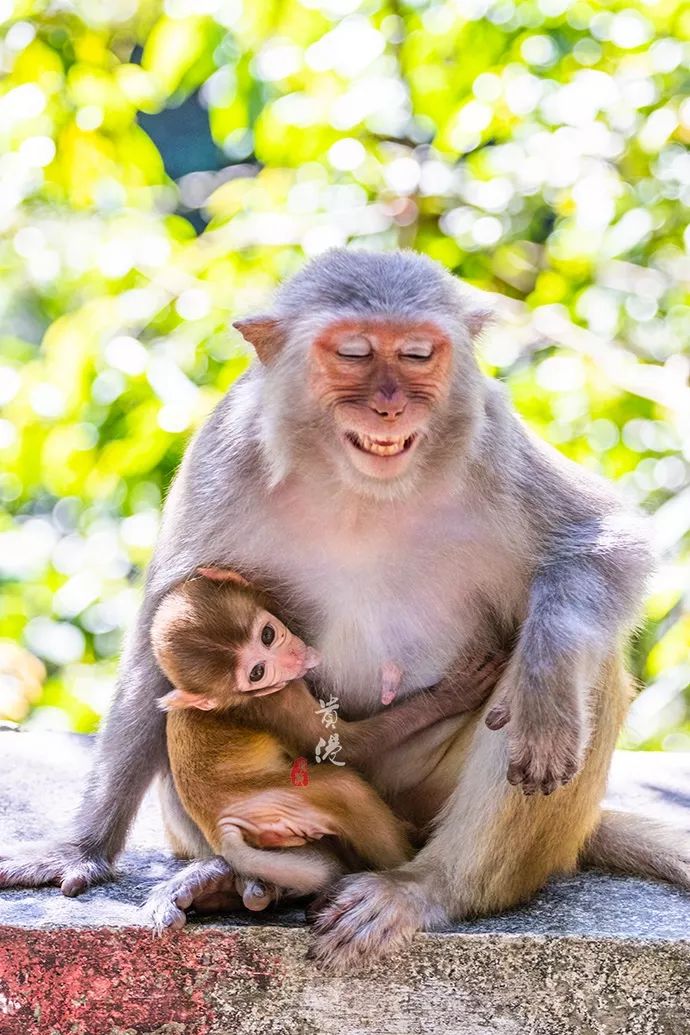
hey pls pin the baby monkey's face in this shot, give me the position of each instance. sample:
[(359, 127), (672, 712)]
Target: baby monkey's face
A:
[(271, 657)]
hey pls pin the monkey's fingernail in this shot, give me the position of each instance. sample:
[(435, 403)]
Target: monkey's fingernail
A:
[(254, 889), (497, 718), (72, 886)]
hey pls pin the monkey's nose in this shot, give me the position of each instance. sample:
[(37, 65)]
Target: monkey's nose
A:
[(389, 410)]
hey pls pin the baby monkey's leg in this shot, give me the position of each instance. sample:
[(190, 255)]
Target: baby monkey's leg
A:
[(335, 803), (299, 871)]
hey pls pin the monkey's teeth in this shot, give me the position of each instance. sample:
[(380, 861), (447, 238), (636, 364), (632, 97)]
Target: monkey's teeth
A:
[(382, 447)]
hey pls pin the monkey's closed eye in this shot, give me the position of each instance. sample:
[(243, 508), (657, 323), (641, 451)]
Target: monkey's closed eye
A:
[(355, 348), (418, 350), (268, 635), (257, 673)]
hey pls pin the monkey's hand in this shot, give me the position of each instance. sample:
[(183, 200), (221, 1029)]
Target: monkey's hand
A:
[(369, 915), (469, 687), (207, 886), (65, 864), (546, 744)]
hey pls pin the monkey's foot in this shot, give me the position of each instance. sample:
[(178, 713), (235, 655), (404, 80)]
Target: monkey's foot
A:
[(208, 886), (44, 862), (202, 881), (369, 915)]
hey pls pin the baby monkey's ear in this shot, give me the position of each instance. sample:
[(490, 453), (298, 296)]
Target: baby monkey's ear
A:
[(184, 699), (222, 575)]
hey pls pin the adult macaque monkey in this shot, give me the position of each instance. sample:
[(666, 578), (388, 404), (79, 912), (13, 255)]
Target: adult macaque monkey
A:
[(369, 470)]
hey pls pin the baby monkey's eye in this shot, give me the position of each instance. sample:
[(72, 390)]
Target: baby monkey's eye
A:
[(257, 673), (268, 635)]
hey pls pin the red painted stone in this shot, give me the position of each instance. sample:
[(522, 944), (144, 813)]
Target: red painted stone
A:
[(107, 982)]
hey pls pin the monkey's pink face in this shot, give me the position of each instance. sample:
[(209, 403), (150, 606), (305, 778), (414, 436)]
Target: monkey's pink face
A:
[(381, 382), (272, 657)]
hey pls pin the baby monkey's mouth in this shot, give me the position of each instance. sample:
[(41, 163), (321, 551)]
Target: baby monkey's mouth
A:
[(390, 446)]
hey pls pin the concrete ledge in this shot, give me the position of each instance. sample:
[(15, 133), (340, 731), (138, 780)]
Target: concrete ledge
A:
[(592, 955)]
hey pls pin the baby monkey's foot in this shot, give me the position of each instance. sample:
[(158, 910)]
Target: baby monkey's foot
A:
[(391, 675)]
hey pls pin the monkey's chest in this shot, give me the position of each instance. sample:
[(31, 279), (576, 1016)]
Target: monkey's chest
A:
[(412, 591), (419, 616)]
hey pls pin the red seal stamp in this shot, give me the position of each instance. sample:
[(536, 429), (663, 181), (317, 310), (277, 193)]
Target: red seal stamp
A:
[(299, 777)]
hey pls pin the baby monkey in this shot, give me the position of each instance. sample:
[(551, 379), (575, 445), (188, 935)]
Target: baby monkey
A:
[(239, 716)]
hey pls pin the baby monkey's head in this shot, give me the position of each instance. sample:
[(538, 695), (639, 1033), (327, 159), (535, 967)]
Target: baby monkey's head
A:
[(218, 643)]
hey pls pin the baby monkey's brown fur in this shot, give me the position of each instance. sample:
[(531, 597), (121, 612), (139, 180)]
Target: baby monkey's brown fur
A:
[(232, 750)]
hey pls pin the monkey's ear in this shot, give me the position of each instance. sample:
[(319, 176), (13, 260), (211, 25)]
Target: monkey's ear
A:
[(265, 333), (177, 699), (223, 575), (477, 317)]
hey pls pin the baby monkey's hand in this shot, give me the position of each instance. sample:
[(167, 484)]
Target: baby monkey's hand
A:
[(472, 682)]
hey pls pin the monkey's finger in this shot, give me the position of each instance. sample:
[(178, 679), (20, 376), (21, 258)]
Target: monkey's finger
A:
[(517, 774), (74, 885), (499, 716), (570, 771), (549, 786), (162, 913)]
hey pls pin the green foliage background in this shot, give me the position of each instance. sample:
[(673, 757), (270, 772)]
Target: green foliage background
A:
[(538, 149)]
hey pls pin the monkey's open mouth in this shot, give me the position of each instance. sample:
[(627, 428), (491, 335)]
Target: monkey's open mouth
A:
[(380, 446)]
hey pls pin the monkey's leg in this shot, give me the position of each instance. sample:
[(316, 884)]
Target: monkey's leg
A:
[(491, 848), (302, 871), (130, 751), (184, 836), (335, 802)]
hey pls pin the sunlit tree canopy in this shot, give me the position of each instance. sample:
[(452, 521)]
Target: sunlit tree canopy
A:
[(162, 166)]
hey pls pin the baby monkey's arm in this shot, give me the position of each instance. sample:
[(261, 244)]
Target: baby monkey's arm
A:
[(465, 688)]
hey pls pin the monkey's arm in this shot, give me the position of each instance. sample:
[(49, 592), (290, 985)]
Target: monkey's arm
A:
[(581, 598), (131, 749), (464, 689)]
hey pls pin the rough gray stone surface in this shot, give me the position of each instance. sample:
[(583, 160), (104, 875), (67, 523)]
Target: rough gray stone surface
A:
[(592, 955)]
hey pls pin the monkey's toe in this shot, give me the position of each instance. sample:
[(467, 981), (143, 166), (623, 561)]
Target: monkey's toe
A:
[(195, 885)]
